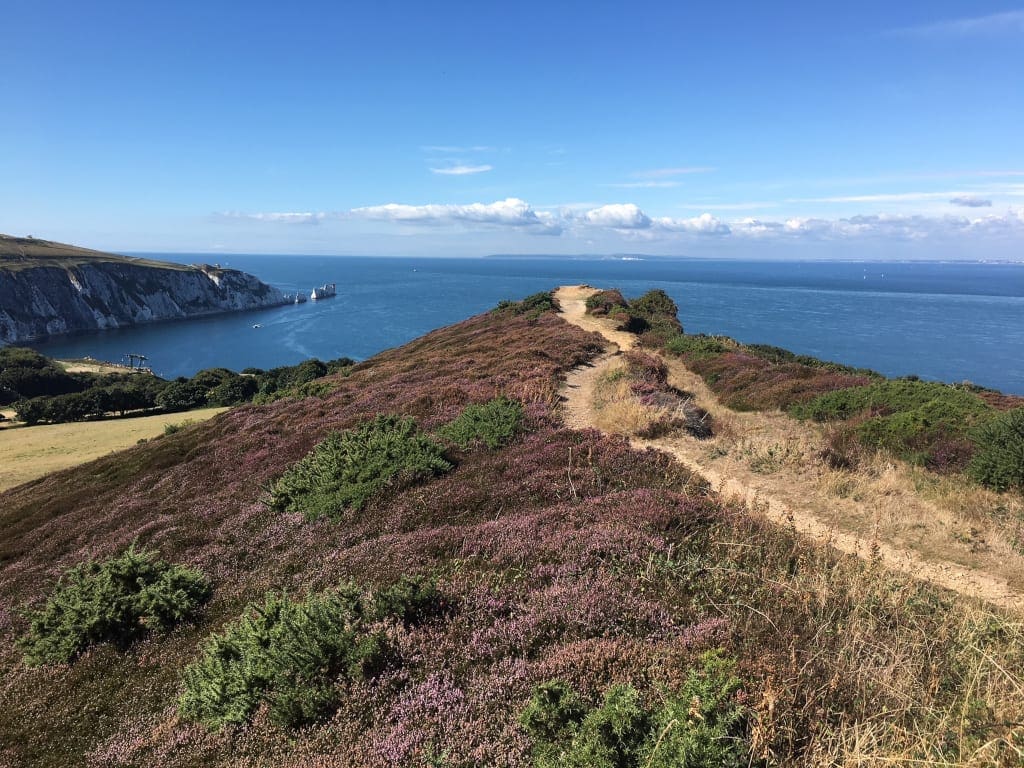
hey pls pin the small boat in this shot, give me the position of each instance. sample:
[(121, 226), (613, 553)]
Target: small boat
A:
[(257, 325)]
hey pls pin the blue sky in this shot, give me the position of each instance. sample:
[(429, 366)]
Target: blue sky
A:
[(746, 129)]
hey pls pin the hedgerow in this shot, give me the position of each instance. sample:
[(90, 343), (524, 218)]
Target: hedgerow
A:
[(701, 725), (493, 423), (112, 601), (349, 468)]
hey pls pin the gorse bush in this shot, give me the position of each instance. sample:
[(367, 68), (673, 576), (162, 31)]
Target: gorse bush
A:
[(700, 725), (883, 398), (654, 303), (922, 422), (113, 601), (291, 654), (412, 600), (999, 460), (696, 347), (493, 423), (533, 305), (349, 468), (655, 316), (603, 302), (287, 653)]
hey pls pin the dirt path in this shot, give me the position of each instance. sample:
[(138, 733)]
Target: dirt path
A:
[(781, 496)]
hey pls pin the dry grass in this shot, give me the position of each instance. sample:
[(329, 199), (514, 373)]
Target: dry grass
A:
[(942, 518), (902, 665), (91, 366), (617, 410), (28, 453)]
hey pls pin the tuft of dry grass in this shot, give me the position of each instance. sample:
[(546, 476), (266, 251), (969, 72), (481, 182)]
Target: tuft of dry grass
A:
[(616, 409)]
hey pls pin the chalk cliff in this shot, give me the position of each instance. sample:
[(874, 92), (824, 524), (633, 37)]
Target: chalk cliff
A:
[(49, 288)]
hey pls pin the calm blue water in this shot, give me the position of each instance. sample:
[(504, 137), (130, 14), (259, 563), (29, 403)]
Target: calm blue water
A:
[(943, 321)]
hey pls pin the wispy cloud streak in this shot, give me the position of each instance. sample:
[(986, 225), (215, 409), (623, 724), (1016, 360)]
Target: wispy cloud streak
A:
[(462, 170), (1006, 23), (970, 201)]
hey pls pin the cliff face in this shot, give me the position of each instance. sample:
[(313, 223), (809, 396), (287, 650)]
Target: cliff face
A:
[(46, 295)]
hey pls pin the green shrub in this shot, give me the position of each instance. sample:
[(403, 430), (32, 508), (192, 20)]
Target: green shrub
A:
[(171, 429), (287, 653), (115, 601), (655, 316), (603, 302), (700, 725), (552, 718), (916, 420), (999, 460), (24, 374), (233, 391), (890, 397), (493, 423), (181, 396), (533, 305), (210, 378), (412, 600), (349, 468), (654, 303), (696, 347)]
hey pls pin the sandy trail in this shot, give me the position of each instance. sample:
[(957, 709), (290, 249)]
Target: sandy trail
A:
[(779, 496)]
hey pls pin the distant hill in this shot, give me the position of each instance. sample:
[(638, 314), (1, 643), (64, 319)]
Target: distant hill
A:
[(49, 288)]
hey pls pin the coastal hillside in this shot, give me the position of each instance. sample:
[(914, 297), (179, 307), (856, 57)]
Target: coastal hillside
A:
[(429, 560), (49, 288)]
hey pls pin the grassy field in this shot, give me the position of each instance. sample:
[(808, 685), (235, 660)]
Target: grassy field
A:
[(17, 253), (91, 366), (27, 453)]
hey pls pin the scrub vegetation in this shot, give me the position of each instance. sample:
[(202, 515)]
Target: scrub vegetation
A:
[(42, 391), (947, 428), (551, 597)]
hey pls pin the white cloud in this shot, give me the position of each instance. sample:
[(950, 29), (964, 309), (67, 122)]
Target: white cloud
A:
[(285, 218), (629, 221), (971, 201), (705, 224), (890, 197), (1008, 22), (462, 170), (511, 212), (617, 216)]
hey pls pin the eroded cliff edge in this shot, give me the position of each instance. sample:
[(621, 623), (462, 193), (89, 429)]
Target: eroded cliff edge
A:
[(48, 288)]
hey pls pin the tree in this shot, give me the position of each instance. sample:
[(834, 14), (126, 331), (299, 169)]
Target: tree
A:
[(181, 396)]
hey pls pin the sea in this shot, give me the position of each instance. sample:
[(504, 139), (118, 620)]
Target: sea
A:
[(947, 321)]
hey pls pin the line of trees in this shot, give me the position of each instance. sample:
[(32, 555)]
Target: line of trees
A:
[(43, 392)]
